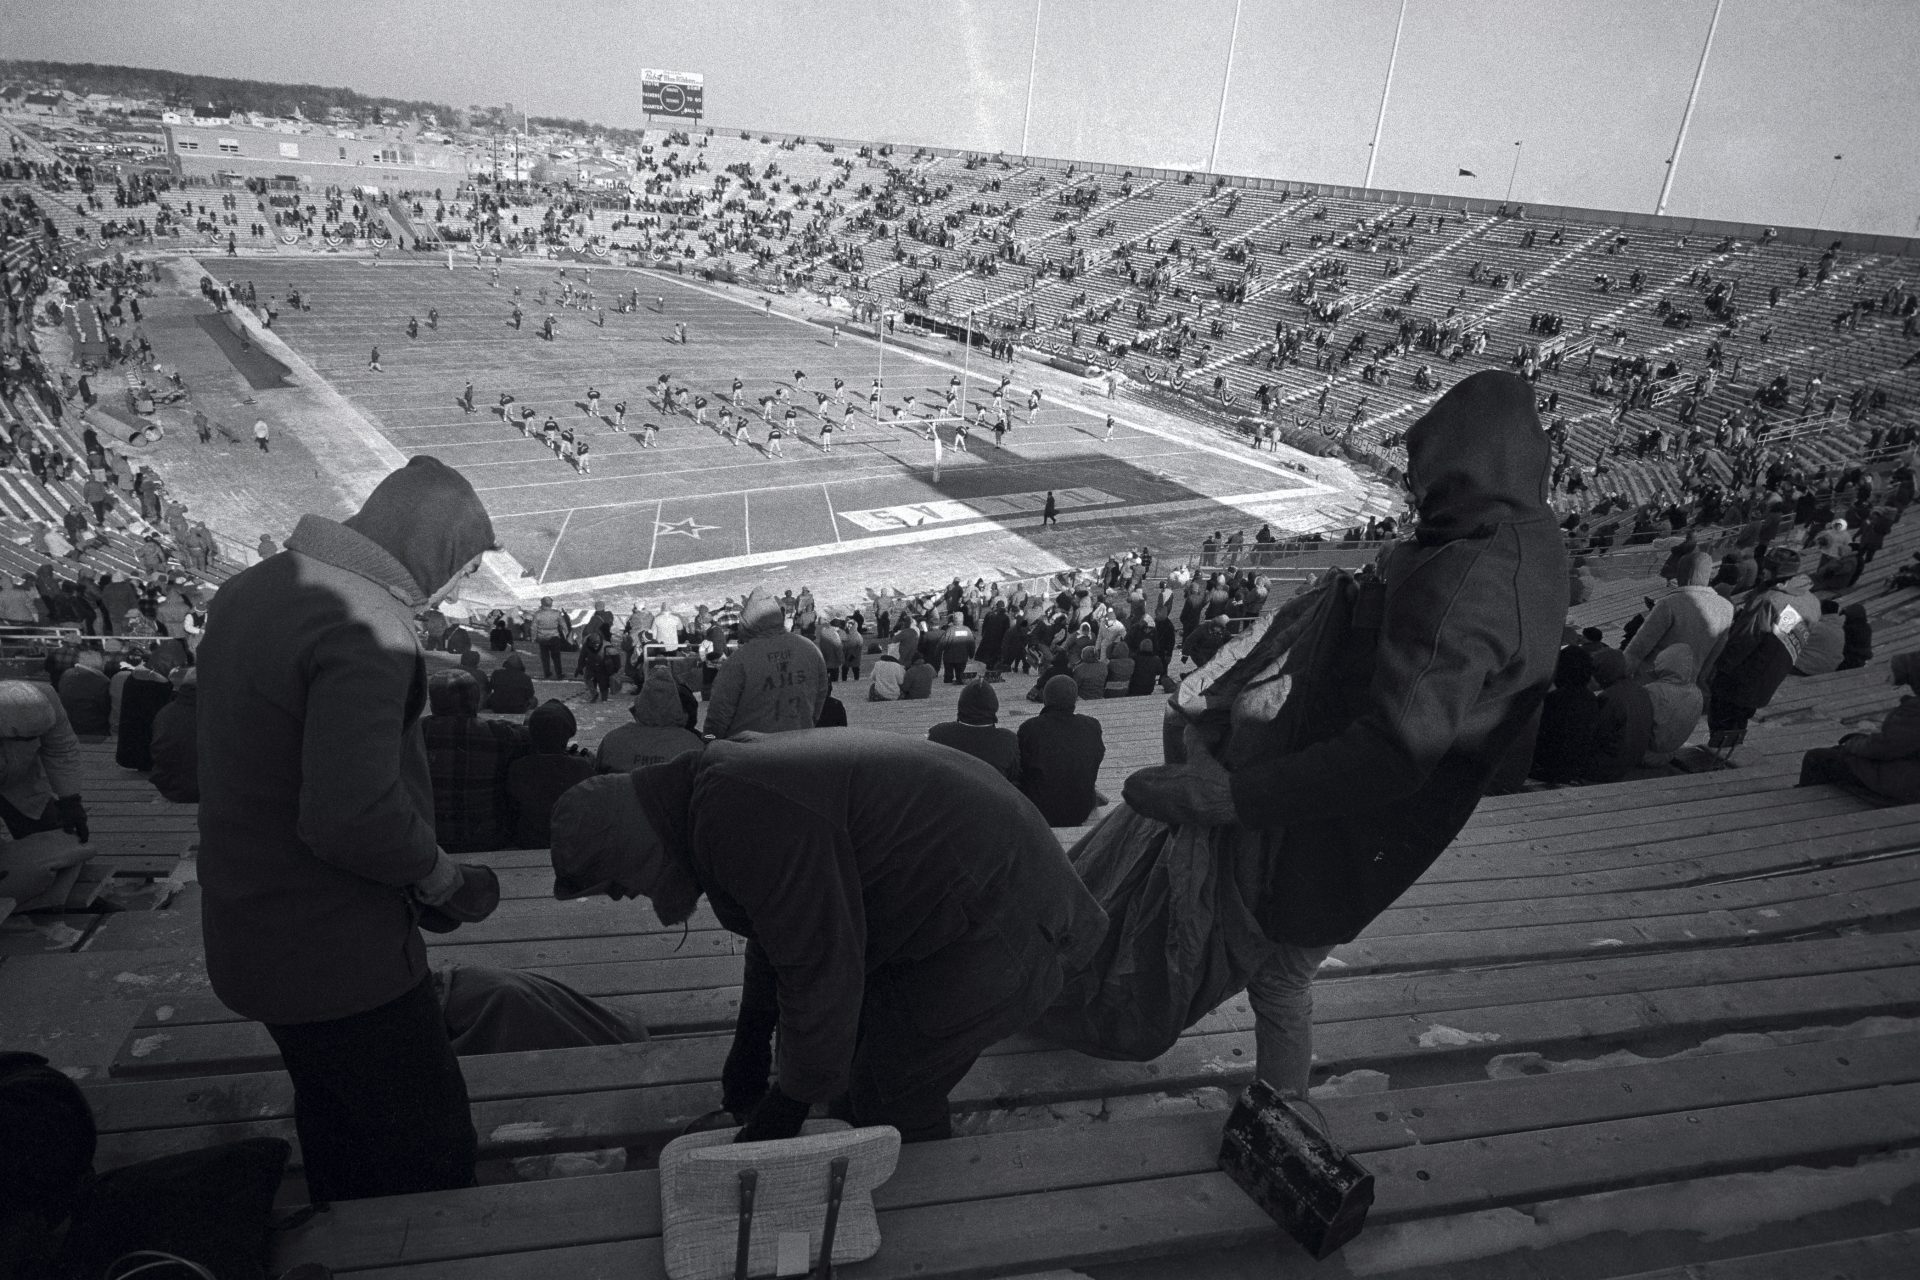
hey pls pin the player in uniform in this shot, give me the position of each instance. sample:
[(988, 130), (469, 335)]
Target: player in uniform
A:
[(800, 379), (726, 422), (840, 391), (739, 388), (647, 432), (960, 435), (466, 399), (873, 402), (517, 316), (773, 441), (526, 420), (1109, 434), (1033, 404), (550, 433), (567, 450), (593, 402), (433, 318), (580, 463), (619, 413), (826, 434), (700, 410)]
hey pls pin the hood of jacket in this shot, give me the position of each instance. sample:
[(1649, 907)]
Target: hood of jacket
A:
[(426, 516), (514, 662), (657, 705), (761, 616), (1696, 570), (26, 712), (1478, 459)]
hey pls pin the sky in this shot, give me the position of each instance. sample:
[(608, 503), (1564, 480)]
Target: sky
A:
[(1592, 90)]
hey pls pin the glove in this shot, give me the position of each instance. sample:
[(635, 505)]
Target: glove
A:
[(73, 817), (777, 1116), (743, 1081), (1196, 793), (474, 895)]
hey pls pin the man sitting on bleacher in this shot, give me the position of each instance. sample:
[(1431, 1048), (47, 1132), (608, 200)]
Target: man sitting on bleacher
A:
[(1885, 764), (317, 848), (904, 909)]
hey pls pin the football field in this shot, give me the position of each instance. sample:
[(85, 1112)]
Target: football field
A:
[(695, 502)]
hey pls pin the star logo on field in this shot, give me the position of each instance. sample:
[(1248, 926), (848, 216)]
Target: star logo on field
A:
[(689, 526)]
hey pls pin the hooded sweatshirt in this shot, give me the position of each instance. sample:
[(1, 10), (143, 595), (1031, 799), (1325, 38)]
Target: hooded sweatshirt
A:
[(1677, 702), (316, 806), (658, 733), (511, 689), (39, 754), (774, 682), (1467, 641), (887, 675), (176, 749), (1692, 614)]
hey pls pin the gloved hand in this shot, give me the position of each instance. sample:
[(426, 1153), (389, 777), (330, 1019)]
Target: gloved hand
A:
[(1196, 793), (455, 893), (777, 1116), (73, 817)]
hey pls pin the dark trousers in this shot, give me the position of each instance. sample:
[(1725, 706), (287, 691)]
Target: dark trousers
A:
[(889, 1050), (956, 671), (552, 667), (379, 1102)]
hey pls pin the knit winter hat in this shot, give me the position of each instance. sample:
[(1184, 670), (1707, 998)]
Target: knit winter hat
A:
[(1060, 693), (427, 516), (979, 704), (551, 726), (1609, 666), (1783, 562), (657, 705)]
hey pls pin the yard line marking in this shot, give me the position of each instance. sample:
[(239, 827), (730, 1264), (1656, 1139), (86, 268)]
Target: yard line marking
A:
[(556, 547), (832, 517), (654, 545), (746, 520)]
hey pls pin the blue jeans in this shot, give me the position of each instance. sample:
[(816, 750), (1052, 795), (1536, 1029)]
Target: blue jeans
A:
[(1281, 993)]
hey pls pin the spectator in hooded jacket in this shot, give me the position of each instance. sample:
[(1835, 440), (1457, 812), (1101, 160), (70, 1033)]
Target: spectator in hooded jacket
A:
[(87, 694), (1473, 608), (537, 780), (1089, 673), (917, 683), (1886, 764), (317, 849), (1692, 613), (887, 677), (175, 748), (956, 649), (1674, 691), (39, 762), (1761, 647), (468, 760), (1568, 716), (510, 689), (1120, 663), (659, 730), (1147, 669), (774, 682), (1826, 642), (1060, 755), (146, 691), (976, 730), (1623, 731)]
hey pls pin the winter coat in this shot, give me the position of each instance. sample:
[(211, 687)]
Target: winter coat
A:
[(1466, 645), (658, 733), (1693, 614), (1887, 763), (1568, 718), (467, 761), (993, 635), (887, 675), (87, 695), (998, 747), (176, 750), (910, 902), (510, 689), (1826, 641), (316, 807), (774, 682), (140, 701), (39, 754), (1060, 755), (917, 683), (1675, 694), (1622, 733), (1763, 644)]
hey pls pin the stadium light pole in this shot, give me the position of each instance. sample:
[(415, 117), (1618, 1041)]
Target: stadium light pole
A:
[(1033, 64), (1820, 222), (1386, 87), (1226, 79), (1686, 116)]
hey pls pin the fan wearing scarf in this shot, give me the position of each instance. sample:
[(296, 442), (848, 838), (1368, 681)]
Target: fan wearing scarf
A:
[(1359, 808), (904, 907)]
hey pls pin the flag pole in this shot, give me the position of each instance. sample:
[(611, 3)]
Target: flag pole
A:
[(1386, 87), (1512, 173), (1226, 78), (1033, 63), (1686, 116)]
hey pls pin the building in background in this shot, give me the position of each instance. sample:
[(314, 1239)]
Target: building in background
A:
[(390, 157)]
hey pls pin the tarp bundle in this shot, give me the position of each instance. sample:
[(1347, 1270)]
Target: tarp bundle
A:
[(1179, 898)]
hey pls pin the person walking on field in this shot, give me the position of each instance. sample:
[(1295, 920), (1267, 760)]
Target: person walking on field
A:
[(260, 434), (1049, 514), (550, 636), (373, 361)]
